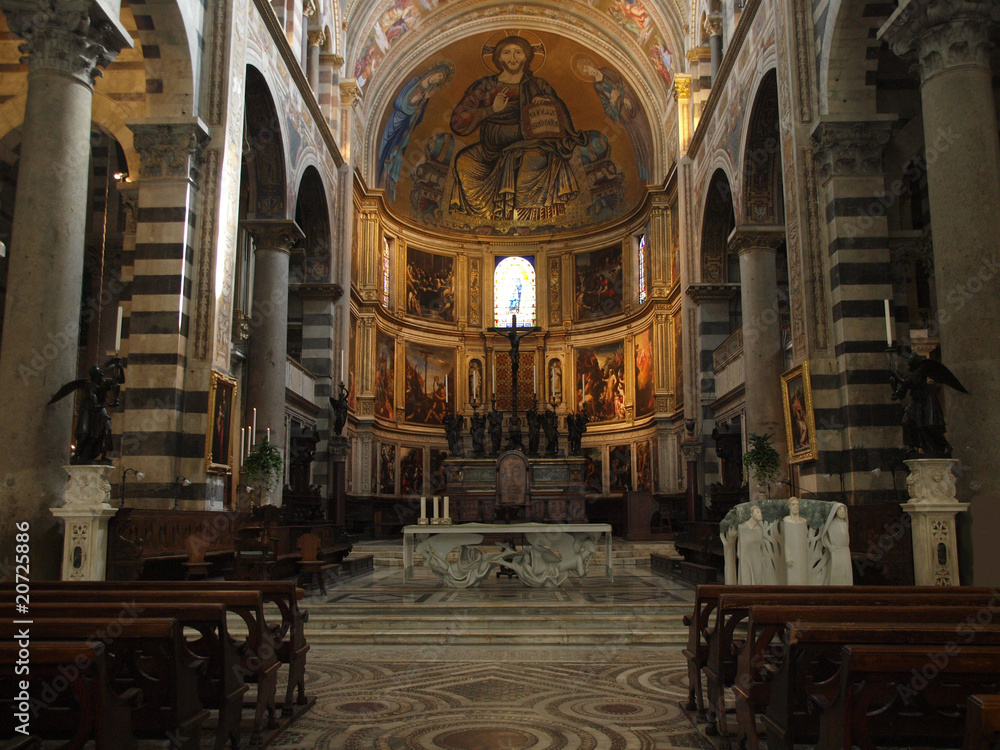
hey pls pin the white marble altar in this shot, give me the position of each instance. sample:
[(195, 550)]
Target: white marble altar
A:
[(551, 553)]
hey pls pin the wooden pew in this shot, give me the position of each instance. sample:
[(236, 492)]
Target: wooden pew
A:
[(881, 697), (92, 709), (769, 676), (148, 654), (982, 722), (220, 686), (733, 607), (289, 633), (258, 662)]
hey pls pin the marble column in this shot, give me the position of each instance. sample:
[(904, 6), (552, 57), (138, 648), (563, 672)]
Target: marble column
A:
[(63, 49), (713, 30), (273, 241), (762, 357), (951, 42), (316, 41)]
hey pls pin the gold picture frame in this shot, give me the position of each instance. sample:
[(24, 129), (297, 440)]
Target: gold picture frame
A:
[(222, 392), (800, 423)]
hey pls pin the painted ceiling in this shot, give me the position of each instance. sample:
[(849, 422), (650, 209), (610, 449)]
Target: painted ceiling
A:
[(462, 147)]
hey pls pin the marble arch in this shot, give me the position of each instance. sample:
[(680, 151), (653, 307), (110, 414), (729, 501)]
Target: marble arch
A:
[(844, 61), (171, 27), (760, 155), (264, 149)]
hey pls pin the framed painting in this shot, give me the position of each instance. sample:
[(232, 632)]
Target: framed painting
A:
[(219, 436), (800, 423)]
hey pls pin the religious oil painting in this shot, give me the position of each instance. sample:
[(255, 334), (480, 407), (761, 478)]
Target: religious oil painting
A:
[(430, 285), (411, 471), (643, 468), (645, 403), (800, 422), (514, 292), (513, 133), (600, 382), (218, 439), (598, 283), (438, 477), (430, 383), (620, 465), (387, 469), (593, 472), (385, 380)]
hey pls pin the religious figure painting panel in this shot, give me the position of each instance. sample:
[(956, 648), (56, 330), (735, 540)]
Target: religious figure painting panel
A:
[(800, 423), (221, 401), (620, 464), (601, 382), (430, 285), (438, 477), (411, 471), (430, 383), (387, 469), (352, 400), (385, 378), (593, 473), (598, 283), (514, 133), (643, 468), (645, 402)]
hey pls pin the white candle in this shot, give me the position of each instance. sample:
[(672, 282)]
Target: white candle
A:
[(436, 498), (343, 378), (888, 325), (249, 442), (253, 434), (446, 389), (534, 377), (494, 373), (269, 434), (118, 333), (243, 442), (446, 514), (474, 389), (423, 508)]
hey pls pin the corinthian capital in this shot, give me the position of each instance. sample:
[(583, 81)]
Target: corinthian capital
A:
[(170, 150), (748, 237), (850, 148), (942, 34), (278, 235), (74, 37)]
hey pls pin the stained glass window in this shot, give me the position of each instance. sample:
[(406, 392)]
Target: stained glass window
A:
[(514, 292), (385, 272), (642, 268)]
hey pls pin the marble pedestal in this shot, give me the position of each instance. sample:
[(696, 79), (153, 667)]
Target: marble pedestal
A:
[(933, 508), (85, 514)]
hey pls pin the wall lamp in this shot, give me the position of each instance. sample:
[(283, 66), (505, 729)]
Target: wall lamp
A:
[(125, 472), (181, 481)]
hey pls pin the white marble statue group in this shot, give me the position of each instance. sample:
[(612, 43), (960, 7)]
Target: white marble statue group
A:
[(793, 542)]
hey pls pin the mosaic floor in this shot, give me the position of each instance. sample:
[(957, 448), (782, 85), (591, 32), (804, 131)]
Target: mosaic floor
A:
[(497, 697)]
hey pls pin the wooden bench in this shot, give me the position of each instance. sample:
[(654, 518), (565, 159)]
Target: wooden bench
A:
[(888, 693), (982, 722), (258, 663), (147, 654), (311, 563), (777, 676), (88, 709)]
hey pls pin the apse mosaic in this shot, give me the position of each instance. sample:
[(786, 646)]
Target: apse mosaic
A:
[(514, 292), (411, 471), (430, 383), (516, 133), (598, 283), (645, 403), (600, 386), (430, 285), (385, 381), (620, 466)]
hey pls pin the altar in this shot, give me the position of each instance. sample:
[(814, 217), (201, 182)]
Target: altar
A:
[(551, 553)]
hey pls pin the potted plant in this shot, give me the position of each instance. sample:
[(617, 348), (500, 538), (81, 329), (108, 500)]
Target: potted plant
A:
[(262, 470), (762, 462)]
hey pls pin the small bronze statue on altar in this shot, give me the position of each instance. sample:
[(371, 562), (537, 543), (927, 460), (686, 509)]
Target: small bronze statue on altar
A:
[(339, 408), (923, 417), (534, 429), (453, 424), (93, 423), (577, 425), (478, 435), (495, 418), (550, 423)]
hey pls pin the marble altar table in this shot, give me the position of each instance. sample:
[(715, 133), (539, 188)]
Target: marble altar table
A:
[(552, 551)]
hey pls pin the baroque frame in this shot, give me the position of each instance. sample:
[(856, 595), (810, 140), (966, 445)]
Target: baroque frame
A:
[(222, 393), (800, 422)]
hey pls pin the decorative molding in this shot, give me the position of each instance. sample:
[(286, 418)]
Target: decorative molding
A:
[(713, 25), (129, 196), (682, 87), (712, 292), (747, 237), (691, 451), (475, 292), (850, 149), (66, 37), (329, 292), (170, 150), (350, 93), (309, 8), (328, 58), (278, 235), (317, 38), (206, 253)]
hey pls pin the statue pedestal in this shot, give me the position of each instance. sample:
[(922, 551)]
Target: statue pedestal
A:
[(86, 513), (933, 508)]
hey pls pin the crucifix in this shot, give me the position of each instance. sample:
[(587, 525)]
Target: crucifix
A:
[(515, 342)]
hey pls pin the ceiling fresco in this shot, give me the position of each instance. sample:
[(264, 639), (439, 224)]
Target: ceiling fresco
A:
[(514, 133)]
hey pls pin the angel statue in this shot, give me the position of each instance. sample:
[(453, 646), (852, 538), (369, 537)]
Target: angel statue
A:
[(923, 418), (93, 423)]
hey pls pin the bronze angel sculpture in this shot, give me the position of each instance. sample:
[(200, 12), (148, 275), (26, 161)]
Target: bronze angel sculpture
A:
[(93, 423), (923, 417)]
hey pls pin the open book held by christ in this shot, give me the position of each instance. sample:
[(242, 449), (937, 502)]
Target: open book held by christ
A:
[(543, 120)]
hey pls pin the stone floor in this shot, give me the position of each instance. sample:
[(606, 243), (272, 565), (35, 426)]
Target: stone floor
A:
[(620, 696)]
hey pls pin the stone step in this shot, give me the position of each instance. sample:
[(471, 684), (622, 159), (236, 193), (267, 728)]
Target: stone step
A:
[(596, 636)]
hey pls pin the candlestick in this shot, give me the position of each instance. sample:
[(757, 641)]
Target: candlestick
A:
[(249, 441), (534, 377), (253, 440), (436, 498), (269, 434), (423, 508), (494, 374), (118, 334), (888, 325), (446, 514)]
